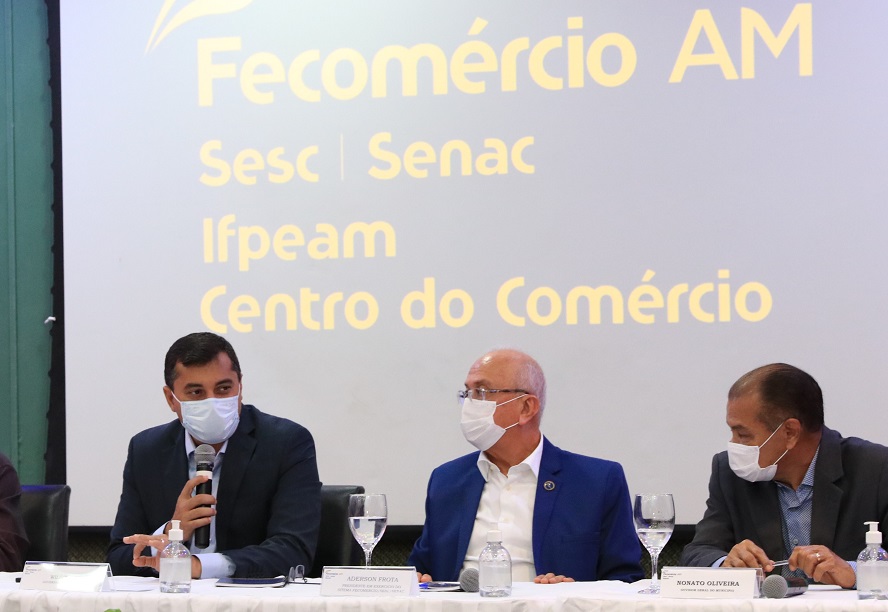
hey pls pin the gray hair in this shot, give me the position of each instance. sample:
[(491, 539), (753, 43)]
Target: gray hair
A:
[(531, 378), (529, 374)]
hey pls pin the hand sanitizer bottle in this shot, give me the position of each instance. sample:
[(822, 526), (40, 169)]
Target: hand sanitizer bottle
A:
[(872, 566), (495, 567), (175, 564)]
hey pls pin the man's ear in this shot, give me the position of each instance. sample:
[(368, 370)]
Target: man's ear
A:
[(168, 395), (793, 432), (529, 409)]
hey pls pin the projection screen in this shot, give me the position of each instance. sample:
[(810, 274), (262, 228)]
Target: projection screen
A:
[(651, 198)]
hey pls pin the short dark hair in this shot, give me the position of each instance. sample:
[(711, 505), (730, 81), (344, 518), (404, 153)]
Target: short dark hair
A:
[(199, 348), (786, 392)]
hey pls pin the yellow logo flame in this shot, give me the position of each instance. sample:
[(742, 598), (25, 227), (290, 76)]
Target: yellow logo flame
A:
[(192, 10)]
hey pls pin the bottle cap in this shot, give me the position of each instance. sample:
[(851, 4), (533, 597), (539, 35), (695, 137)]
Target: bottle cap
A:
[(494, 535), (873, 536), (175, 532)]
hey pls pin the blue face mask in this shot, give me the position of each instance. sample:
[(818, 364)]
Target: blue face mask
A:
[(211, 420)]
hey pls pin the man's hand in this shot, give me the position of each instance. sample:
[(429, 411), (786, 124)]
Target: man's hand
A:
[(747, 554), (823, 565), (551, 578), (159, 542), (141, 541), (423, 577), (189, 511)]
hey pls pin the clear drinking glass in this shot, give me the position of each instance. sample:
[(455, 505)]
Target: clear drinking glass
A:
[(654, 515), (367, 517)]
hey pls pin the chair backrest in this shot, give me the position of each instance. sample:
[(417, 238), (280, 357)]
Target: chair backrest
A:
[(336, 545), (45, 514)]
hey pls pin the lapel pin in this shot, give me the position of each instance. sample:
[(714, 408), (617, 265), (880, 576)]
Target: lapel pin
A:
[(549, 485)]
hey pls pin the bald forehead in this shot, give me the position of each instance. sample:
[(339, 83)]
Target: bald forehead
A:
[(497, 367)]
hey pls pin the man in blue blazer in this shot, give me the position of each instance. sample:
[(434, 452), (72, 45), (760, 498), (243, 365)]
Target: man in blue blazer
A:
[(264, 510), (562, 516)]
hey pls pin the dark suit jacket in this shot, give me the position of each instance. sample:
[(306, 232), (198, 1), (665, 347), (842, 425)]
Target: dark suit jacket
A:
[(850, 487), (268, 504), (13, 540), (582, 528)]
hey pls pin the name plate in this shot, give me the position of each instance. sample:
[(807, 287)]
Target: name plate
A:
[(81, 577), (342, 581), (710, 582)]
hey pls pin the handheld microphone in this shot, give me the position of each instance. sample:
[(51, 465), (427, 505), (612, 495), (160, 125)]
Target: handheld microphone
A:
[(778, 587), (468, 580), (204, 456)]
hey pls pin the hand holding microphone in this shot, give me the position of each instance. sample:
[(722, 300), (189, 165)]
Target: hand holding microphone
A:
[(194, 507), (204, 456)]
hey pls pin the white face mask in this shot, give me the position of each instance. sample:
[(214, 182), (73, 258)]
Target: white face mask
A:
[(477, 423), (744, 461), (211, 420)]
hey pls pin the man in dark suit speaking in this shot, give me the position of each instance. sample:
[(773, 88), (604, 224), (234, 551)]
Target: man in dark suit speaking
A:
[(264, 509), (788, 487), (563, 516)]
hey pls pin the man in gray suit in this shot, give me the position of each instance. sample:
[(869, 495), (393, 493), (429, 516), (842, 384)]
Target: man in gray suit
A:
[(788, 487)]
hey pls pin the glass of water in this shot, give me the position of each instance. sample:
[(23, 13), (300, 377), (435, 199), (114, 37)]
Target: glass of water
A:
[(654, 515), (367, 517)]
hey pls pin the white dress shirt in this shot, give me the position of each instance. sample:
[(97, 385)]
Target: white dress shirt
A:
[(506, 504)]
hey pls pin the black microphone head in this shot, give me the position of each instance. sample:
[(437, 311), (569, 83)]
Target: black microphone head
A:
[(797, 582), (775, 587), (204, 454), (468, 580)]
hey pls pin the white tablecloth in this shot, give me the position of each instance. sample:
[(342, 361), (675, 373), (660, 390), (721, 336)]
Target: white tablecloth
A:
[(526, 597)]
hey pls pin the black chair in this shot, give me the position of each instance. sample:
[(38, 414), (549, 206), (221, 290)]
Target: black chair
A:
[(45, 514), (336, 545)]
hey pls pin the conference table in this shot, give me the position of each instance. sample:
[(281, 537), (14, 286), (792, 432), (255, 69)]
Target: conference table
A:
[(143, 595)]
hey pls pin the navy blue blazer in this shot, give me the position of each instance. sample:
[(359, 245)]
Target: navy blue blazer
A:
[(582, 526), (268, 503)]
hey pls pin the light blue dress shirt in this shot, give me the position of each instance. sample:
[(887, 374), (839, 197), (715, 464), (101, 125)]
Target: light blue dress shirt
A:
[(795, 508)]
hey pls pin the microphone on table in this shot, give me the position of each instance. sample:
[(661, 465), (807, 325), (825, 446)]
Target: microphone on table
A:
[(468, 580), (778, 587), (204, 456)]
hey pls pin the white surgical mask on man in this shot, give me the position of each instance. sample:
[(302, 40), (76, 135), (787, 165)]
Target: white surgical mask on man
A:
[(744, 461), (477, 423), (211, 420)]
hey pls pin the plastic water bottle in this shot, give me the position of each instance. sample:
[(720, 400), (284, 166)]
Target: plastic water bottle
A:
[(495, 567), (175, 564), (872, 566)]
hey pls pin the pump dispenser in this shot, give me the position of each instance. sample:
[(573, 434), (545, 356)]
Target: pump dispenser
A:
[(872, 566), (175, 564)]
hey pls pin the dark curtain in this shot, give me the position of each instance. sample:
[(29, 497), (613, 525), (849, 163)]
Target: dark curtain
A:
[(56, 468)]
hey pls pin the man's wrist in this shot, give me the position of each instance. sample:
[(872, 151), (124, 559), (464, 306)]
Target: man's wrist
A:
[(852, 575)]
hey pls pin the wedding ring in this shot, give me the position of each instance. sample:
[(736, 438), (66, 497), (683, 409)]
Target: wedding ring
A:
[(818, 556)]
